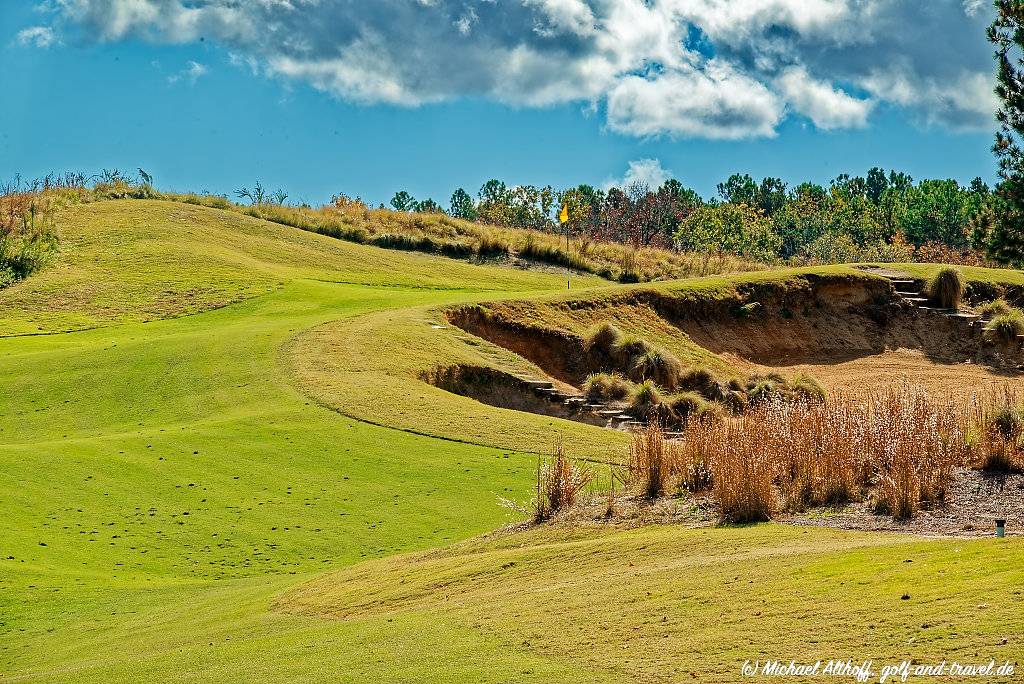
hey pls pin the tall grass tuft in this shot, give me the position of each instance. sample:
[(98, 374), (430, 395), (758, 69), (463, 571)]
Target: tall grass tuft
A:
[(658, 365), (559, 484), (994, 308), (702, 380), (806, 387), (627, 348), (901, 445), (602, 387), (650, 461), (1005, 327), (1000, 434), (601, 342), (646, 402), (946, 288)]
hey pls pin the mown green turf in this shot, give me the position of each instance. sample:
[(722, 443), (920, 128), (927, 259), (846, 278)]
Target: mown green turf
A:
[(664, 604), (167, 458), (167, 484), (142, 260)]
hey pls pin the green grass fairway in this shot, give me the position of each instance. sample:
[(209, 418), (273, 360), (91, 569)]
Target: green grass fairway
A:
[(179, 506), (670, 604)]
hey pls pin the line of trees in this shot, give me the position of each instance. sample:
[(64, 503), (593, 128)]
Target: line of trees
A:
[(881, 214)]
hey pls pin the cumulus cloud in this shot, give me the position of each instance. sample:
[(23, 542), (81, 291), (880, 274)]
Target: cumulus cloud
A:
[(686, 68), (826, 106), (716, 102), (36, 36), (647, 172)]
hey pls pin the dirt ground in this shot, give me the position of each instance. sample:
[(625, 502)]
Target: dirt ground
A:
[(974, 501)]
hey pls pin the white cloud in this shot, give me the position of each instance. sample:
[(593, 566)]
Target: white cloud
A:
[(829, 108), (647, 172), (37, 36), (717, 102), (972, 7), (190, 74), (572, 16), (960, 101), (697, 68)]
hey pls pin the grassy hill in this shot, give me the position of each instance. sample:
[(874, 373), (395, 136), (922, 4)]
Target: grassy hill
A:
[(223, 409)]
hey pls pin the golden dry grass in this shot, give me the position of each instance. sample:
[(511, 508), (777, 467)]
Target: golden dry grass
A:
[(898, 447)]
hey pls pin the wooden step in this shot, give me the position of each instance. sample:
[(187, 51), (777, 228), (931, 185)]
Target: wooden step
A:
[(908, 294), (900, 281), (916, 300), (963, 315)]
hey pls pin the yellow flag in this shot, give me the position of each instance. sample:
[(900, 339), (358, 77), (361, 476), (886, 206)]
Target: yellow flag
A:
[(564, 216)]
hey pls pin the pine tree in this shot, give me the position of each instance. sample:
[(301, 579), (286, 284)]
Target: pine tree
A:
[(1006, 235)]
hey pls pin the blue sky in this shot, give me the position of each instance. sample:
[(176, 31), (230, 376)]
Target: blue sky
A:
[(214, 109)]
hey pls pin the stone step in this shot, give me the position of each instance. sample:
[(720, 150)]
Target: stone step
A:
[(553, 395), (900, 281), (908, 294), (916, 300), (593, 407), (963, 315), (580, 401), (937, 309), (609, 413)]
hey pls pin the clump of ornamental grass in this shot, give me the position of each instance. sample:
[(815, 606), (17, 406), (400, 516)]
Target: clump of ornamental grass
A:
[(686, 405), (601, 341), (806, 387), (1000, 434), (994, 308), (763, 390), (646, 401), (702, 380), (946, 288), (650, 461), (627, 348), (559, 485), (602, 387), (1004, 328), (901, 444), (657, 365)]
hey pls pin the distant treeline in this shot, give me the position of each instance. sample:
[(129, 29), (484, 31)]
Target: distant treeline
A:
[(883, 215)]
